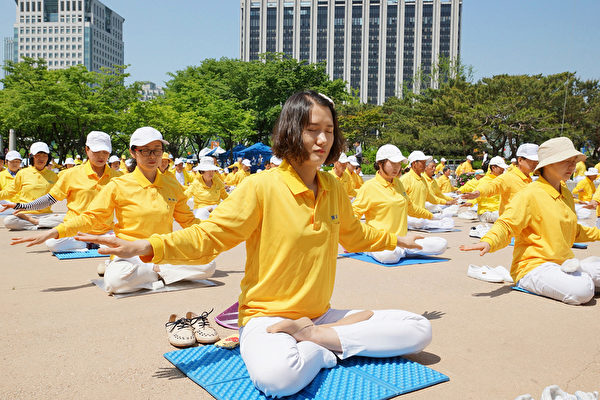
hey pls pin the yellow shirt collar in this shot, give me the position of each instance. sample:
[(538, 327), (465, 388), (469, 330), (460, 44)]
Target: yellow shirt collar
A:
[(520, 174), (293, 181), (90, 172), (548, 188), (415, 175), (139, 176), (383, 181)]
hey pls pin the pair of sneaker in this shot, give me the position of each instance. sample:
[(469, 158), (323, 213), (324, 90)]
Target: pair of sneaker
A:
[(479, 231), (191, 329), (497, 274)]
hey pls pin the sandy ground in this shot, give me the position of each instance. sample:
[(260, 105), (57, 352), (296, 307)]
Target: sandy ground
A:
[(64, 338)]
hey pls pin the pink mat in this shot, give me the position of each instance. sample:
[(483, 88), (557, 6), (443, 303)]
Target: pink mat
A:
[(229, 317)]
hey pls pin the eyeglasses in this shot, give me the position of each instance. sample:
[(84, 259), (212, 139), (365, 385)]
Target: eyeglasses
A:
[(148, 152)]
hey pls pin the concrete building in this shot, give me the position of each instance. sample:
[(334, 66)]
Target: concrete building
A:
[(68, 32), (379, 47), (150, 91)]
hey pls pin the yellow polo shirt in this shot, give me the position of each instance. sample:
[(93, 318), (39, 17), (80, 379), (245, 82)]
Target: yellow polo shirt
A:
[(464, 168), (445, 185), (597, 166), (584, 190), (439, 168), (469, 186), (435, 190), (80, 186), (346, 181), (291, 241), (544, 225), (506, 186), (417, 189), (488, 203), (141, 208), (187, 178), (580, 169), (238, 177), (357, 181), (596, 197), (205, 196), (28, 185), (6, 180), (386, 205)]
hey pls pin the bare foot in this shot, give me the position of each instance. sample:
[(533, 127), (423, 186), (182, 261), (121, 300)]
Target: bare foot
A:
[(28, 218), (291, 326), (156, 268)]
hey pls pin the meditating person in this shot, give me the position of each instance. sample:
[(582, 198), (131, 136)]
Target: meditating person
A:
[(508, 184), (144, 202), (29, 184), (465, 167), (439, 169), (181, 175), (114, 164), (7, 176), (206, 191), (288, 329), (79, 186), (385, 205), (351, 169), (542, 219), (433, 186), (342, 176), (443, 181), (488, 206)]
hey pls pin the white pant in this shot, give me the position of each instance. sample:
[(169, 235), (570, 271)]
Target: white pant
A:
[(125, 275), (280, 366), (489, 216), (583, 213), (69, 244), (431, 246), (598, 222), (422, 223), (572, 288), (45, 221)]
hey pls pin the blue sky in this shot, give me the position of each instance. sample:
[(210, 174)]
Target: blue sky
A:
[(498, 36)]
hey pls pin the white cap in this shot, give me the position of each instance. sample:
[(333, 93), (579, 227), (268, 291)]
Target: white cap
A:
[(498, 161), (247, 162), (178, 161), (112, 159), (207, 164), (435, 160), (145, 135), (170, 156), (389, 152), (190, 161), (343, 158), (226, 170), (98, 141), (513, 160), (39, 147), (443, 159), (591, 172), (129, 162), (470, 157), (417, 156), (78, 156), (353, 161), (13, 155), (528, 151), (69, 161), (275, 160), (479, 172), (258, 170)]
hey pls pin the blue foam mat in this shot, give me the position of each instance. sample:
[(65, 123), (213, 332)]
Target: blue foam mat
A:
[(70, 255), (575, 245), (403, 261), (520, 289), (223, 374), (436, 230)]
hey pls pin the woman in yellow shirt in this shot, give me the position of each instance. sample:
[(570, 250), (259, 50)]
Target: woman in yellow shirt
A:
[(385, 205), (288, 330), (29, 184), (79, 186), (207, 190), (542, 220), (144, 202)]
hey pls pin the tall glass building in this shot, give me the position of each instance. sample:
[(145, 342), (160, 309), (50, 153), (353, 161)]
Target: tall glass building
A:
[(380, 47), (68, 32)]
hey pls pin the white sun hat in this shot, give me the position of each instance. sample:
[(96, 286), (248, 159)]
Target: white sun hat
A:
[(591, 172), (145, 135), (389, 152), (98, 141), (417, 156), (112, 159), (353, 161), (13, 155), (39, 147), (556, 150), (343, 158), (207, 164), (499, 162), (69, 161), (178, 161), (528, 151)]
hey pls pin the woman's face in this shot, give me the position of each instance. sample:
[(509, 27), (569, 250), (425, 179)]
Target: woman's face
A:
[(148, 156), (317, 135), (430, 169), (40, 160), (14, 165), (115, 165), (98, 159), (208, 175), (390, 169), (560, 170)]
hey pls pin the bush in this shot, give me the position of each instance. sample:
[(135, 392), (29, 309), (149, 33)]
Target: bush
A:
[(368, 169), (463, 178)]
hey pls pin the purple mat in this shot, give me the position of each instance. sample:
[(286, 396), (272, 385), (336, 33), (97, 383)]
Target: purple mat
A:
[(229, 317)]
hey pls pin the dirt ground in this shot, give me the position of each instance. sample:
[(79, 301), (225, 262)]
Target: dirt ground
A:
[(64, 338)]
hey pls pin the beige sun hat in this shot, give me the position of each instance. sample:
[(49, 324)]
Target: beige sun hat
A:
[(556, 150)]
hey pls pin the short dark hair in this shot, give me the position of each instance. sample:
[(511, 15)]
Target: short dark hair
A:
[(294, 117), (48, 161), (446, 169)]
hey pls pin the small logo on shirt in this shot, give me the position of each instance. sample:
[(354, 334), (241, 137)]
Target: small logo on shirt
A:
[(334, 218)]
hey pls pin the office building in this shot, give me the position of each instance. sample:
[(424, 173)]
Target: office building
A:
[(150, 91), (68, 32), (379, 47)]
